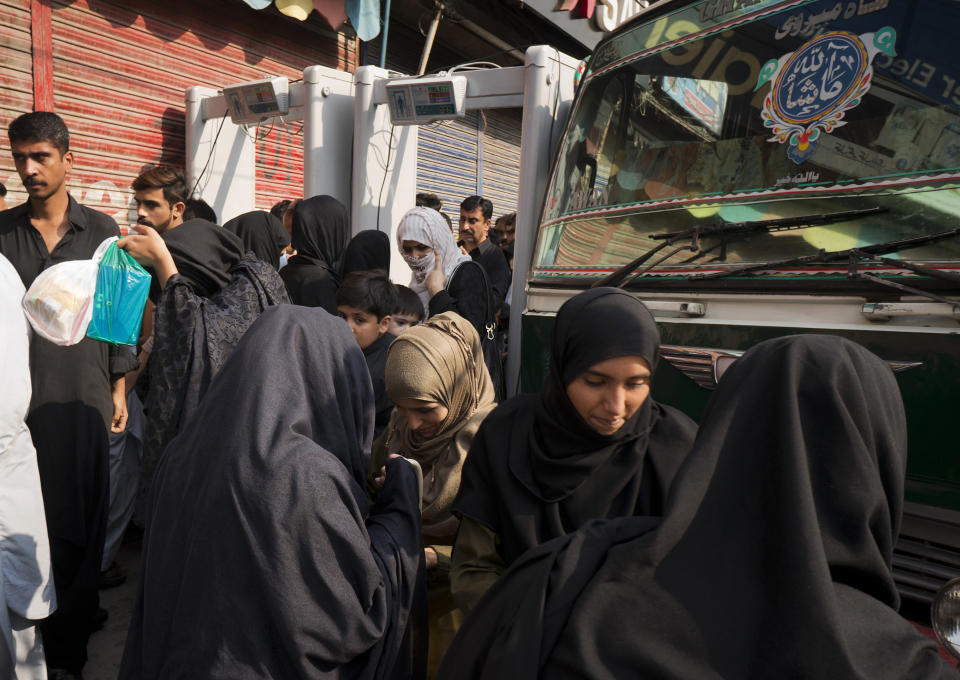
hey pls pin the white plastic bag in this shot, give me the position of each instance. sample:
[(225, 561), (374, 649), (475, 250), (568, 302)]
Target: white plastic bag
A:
[(59, 302)]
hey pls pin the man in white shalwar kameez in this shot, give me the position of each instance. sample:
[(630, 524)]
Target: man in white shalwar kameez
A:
[(26, 576)]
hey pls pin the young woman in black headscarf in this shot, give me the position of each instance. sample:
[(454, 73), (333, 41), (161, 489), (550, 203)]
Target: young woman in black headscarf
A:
[(262, 234), (591, 444), (773, 559), (320, 233), (263, 557), (369, 249), (207, 293)]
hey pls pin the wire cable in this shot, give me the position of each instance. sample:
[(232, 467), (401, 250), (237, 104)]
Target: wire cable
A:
[(209, 156), (386, 170), (474, 66)]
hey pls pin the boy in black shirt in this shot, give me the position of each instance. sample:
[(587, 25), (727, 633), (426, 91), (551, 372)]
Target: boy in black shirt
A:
[(408, 312), (365, 300)]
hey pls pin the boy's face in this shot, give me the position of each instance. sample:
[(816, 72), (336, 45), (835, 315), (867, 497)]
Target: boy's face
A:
[(402, 322), (365, 326)]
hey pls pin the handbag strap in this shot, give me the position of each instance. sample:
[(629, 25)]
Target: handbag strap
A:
[(490, 317)]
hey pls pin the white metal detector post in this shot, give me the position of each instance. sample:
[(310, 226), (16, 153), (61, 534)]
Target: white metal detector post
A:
[(385, 155), (221, 154)]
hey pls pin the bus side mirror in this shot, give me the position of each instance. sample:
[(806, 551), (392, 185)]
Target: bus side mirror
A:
[(945, 616)]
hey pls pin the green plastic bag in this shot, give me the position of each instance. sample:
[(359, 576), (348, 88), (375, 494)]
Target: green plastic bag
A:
[(122, 288)]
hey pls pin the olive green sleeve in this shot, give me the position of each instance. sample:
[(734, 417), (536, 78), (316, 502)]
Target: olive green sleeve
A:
[(475, 564)]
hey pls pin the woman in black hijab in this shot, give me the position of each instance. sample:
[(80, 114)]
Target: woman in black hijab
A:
[(320, 233), (203, 308), (369, 249), (262, 234), (263, 557), (591, 444), (772, 559)]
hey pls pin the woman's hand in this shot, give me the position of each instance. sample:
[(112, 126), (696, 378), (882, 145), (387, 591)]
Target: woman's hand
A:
[(381, 478), (432, 559), (435, 280), (147, 248)]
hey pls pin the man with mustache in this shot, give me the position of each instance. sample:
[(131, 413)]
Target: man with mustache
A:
[(78, 391), (475, 214)]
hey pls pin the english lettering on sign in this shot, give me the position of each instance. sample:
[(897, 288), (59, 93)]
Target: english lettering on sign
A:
[(609, 14)]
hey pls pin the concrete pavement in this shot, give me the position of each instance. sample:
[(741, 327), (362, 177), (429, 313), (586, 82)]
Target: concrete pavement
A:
[(105, 648)]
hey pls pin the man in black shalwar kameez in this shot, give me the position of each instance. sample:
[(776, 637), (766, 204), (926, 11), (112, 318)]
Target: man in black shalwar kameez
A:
[(72, 409)]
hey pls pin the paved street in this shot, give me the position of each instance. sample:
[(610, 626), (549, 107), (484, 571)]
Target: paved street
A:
[(106, 646)]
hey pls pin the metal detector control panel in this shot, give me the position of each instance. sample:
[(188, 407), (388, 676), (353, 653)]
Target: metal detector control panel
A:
[(414, 101), (257, 100)]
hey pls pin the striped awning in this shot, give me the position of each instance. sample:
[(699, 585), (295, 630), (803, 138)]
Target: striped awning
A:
[(364, 15)]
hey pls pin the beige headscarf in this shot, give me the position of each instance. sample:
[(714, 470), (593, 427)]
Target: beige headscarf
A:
[(440, 361)]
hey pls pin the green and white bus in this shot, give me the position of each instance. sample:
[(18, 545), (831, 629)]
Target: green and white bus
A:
[(757, 168)]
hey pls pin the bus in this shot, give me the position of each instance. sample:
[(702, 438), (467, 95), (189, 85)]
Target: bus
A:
[(758, 168)]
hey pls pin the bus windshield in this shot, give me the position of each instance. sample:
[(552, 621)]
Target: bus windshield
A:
[(756, 110)]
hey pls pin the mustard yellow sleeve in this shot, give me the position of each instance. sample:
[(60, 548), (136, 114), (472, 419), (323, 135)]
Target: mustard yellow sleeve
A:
[(475, 564)]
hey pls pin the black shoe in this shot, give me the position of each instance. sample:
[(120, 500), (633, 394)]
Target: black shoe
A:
[(133, 534), (99, 619), (62, 674), (113, 576)]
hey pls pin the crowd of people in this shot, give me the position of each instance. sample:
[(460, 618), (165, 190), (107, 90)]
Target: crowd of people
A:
[(331, 481)]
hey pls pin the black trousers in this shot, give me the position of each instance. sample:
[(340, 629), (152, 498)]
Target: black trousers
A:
[(73, 457)]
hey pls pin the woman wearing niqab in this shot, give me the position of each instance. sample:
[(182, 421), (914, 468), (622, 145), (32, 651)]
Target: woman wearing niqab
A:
[(538, 468), (263, 557), (262, 234), (772, 560), (320, 233)]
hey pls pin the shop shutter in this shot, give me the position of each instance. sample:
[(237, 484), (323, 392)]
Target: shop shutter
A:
[(121, 68), (16, 85), (447, 161), (501, 159)]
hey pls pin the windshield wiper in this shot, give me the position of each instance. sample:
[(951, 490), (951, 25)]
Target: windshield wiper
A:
[(725, 230), (824, 256)]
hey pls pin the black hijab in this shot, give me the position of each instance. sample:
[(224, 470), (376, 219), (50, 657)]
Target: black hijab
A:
[(262, 557), (204, 254), (321, 231), (773, 559), (369, 249), (539, 470), (262, 234)]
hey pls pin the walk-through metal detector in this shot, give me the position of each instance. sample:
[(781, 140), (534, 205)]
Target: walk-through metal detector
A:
[(220, 153), (347, 123)]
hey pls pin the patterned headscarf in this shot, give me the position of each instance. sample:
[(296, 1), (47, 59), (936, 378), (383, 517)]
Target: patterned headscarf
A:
[(427, 226)]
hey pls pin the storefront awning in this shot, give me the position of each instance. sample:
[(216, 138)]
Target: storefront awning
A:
[(364, 15)]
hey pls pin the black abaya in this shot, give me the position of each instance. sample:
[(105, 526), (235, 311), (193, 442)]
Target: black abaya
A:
[(320, 233), (773, 558), (202, 313), (262, 558), (537, 470)]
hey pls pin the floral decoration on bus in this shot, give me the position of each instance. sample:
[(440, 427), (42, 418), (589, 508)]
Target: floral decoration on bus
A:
[(812, 87)]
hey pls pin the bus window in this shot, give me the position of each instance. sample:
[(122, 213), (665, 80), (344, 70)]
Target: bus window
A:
[(684, 132)]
